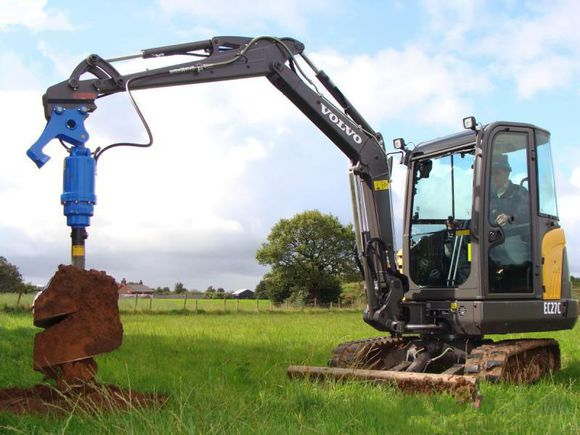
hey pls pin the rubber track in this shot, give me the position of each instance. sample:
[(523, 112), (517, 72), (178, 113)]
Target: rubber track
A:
[(517, 361), (366, 353), (521, 361)]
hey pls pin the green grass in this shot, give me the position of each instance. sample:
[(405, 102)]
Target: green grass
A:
[(8, 302), (226, 374)]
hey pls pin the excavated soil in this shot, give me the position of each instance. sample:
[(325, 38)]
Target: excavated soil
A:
[(80, 316), (90, 398)]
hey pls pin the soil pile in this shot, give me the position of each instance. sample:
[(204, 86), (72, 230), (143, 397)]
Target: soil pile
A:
[(90, 398), (80, 314)]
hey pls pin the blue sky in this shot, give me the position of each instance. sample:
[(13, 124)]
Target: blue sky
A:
[(230, 159)]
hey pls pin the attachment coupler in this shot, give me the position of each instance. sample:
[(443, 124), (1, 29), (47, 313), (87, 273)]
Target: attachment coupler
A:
[(78, 197)]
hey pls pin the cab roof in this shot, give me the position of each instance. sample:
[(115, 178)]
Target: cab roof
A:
[(444, 143)]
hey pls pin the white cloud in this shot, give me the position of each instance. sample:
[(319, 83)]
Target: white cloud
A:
[(15, 75), (575, 179), (537, 46), (64, 63), (288, 14), (32, 14), (409, 85)]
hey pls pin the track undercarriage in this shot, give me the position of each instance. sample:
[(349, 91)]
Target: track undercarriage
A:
[(429, 364)]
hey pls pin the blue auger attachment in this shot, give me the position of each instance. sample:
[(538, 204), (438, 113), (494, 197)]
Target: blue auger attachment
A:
[(78, 196), (65, 124)]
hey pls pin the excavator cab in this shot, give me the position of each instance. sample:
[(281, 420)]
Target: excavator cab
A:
[(482, 229), (483, 253)]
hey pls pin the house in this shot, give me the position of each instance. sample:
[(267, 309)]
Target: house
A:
[(244, 293), (135, 288)]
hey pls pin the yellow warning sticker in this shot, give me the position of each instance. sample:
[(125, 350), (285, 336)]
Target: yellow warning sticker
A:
[(382, 184), (78, 250), (462, 233), (469, 252)]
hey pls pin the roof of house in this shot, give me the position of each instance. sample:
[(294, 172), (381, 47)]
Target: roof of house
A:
[(135, 287), (242, 290)]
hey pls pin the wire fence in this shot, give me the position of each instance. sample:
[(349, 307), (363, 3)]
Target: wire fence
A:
[(185, 303)]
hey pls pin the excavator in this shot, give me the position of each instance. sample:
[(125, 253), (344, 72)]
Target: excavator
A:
[(483, 251)]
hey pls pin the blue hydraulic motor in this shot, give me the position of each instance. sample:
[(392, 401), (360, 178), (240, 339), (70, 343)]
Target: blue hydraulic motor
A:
[(78, 197)]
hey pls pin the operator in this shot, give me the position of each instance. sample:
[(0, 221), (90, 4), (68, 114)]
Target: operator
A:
[(510, 209), (509, 202)]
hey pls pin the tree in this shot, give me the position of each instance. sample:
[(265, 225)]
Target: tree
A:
[(210, 292), (179, 288), (162, 290), (261, 290), (10, 277), (275, 287), (309, 254)]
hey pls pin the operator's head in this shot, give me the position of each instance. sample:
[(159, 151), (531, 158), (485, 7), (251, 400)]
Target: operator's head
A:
[(500, 170)]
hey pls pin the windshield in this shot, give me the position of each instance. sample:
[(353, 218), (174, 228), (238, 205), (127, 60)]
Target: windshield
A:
[(440, 221)]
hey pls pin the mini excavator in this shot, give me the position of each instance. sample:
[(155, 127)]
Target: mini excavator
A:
[(483, 250)]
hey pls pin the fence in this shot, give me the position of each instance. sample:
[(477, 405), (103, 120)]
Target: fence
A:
[(136, 303)]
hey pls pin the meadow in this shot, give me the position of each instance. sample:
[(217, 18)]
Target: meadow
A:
[(130, 304), (226, 373)]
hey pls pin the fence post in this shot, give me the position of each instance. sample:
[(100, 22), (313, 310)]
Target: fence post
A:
[(315, 302), (224, 301), (270, 306), (196, 305), (287, 305), (339, 303), (330, 305), (135, 307), (185, 301), (150, 302), (257, 304)]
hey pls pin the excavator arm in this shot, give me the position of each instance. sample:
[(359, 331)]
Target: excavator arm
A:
[(68, 103)]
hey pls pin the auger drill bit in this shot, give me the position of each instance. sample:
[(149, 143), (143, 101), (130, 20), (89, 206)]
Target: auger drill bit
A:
[(80, 315)]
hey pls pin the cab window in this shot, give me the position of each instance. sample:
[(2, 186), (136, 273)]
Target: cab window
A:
[(546, 183), (510, 261), (440, 242)]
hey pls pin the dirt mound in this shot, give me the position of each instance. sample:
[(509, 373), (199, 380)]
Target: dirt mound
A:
[(90, 398), (80, 314)]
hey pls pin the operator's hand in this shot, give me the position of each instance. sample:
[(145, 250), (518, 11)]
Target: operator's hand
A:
[(503, 219)]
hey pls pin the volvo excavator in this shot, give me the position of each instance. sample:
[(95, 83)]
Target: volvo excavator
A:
[(483, 250)]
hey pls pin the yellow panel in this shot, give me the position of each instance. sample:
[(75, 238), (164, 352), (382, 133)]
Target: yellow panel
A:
[(400, 260), (78, 250), (382, 184), (552, 253)]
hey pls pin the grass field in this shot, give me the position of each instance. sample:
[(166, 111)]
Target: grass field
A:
[(226, 374), (147, 305)]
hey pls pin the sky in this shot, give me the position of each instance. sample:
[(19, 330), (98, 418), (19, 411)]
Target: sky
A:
[(230, 159)]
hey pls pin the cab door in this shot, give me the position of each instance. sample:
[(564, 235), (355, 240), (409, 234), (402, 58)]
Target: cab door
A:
[(512, 259)]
